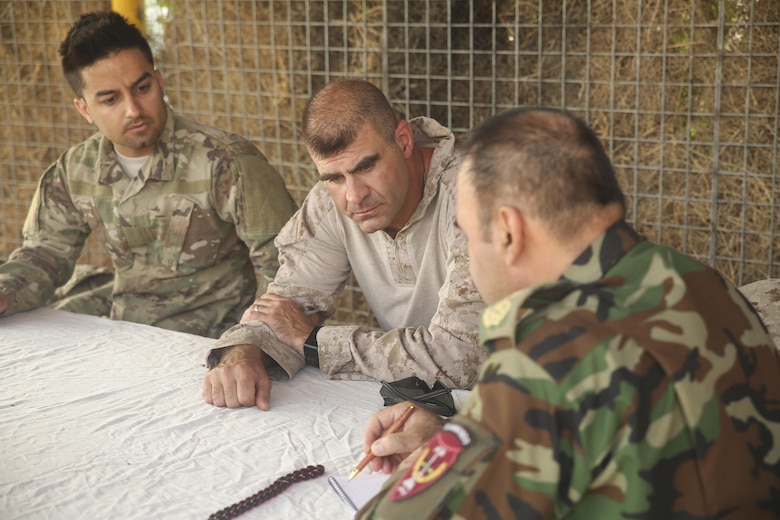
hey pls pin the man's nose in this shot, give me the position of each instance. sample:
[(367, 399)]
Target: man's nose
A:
[(356, 191), (133, 108)]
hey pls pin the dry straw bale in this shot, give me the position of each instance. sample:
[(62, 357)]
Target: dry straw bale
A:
[(642, 73)]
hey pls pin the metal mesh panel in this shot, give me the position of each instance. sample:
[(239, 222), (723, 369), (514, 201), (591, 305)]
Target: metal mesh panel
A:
[(685, 94)]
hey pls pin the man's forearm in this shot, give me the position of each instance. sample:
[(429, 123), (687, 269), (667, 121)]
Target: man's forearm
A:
[(283, 362), (347, 352)]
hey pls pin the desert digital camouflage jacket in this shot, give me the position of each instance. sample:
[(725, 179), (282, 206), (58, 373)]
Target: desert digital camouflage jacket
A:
[(190, 237), (641, 385), (417, 284)]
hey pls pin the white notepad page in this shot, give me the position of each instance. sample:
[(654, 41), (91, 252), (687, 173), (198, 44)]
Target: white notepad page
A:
[(356, 492)]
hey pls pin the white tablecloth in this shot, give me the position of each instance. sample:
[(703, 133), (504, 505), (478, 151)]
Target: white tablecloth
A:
[(104, 419)]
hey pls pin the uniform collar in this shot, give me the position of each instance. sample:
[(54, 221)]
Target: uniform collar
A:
[(430, 134), (499, 319), (160, 167)]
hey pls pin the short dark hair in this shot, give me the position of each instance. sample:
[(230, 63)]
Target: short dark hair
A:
[(334, 115), (95, 36), (545, 160)]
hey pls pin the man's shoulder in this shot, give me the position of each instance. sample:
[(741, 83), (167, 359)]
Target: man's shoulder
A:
[(318, 205), (83, 158), (189, 133), (444, 184), (445, 163), (431, 128)]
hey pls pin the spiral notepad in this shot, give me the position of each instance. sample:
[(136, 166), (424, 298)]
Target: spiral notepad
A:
[(356, 492)]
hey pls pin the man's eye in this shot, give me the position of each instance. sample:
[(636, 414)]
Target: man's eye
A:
[(366, 166)]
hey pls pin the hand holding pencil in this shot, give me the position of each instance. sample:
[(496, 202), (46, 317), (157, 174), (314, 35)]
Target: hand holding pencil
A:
[(393, 433), (369, 456)]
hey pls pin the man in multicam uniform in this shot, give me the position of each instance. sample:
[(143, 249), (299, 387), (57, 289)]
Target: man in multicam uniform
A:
[(187, 213), (384, 209), (624, 380)]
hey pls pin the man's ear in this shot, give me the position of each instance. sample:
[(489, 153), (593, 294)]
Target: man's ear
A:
[(404, 137), (159, 77), (81, 106), (509, 232)]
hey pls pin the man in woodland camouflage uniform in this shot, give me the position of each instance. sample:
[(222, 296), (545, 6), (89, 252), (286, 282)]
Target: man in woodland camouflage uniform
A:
[(384, 210), (187, 213), (624, 379)]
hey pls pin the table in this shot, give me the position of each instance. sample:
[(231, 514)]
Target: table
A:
[(105, 419)]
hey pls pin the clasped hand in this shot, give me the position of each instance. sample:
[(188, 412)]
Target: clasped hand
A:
[(240, 378), (285, 318)]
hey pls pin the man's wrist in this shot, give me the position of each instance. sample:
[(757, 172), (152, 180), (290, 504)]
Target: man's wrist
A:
[(215, 356), (235, 354), (311, 352)]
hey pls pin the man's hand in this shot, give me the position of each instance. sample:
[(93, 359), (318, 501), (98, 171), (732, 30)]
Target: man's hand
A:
[(240, 379), (285, 318), (392, 450)]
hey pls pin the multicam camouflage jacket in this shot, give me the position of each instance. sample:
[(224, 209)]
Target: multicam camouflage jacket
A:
[(417, 284), (641, 385), (190, 237)]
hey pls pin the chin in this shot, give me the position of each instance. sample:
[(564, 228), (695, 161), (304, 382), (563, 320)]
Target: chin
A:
[(369, 229), (370, 225)]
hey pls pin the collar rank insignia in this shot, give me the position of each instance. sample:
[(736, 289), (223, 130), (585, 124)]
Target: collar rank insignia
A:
[(437, 457)]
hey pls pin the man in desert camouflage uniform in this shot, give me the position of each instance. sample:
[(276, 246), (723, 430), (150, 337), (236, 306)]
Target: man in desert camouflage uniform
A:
[(384, 210), (624, 380), (187, 213), (764, 295)]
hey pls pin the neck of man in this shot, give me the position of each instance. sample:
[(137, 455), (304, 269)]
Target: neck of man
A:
[(421, 164), (551, 256), (418, 163)]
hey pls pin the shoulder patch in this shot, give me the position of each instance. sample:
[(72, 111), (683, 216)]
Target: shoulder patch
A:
[(437, 457)]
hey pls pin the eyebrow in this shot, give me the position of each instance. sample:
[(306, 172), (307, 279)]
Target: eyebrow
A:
[(135, 83), (362, 164)]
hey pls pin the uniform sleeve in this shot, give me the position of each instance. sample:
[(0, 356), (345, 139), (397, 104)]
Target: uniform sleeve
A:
[(510, 453), (288, 361), (252, 193), (54, 235)]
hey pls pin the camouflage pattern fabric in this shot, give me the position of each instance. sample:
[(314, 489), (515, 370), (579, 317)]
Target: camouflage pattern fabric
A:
[(191, 238), (88, 291), (417, 284), (641, 385)]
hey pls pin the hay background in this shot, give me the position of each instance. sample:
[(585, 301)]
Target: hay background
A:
[(685, 94)]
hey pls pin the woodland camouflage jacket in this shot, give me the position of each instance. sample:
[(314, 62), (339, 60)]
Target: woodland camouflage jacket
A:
[(641, 385)]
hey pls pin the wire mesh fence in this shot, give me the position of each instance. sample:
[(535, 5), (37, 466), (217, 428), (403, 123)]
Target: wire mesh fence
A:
[(685, 94)]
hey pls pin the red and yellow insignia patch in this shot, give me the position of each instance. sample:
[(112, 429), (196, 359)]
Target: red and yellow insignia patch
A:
[(437, 457)]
